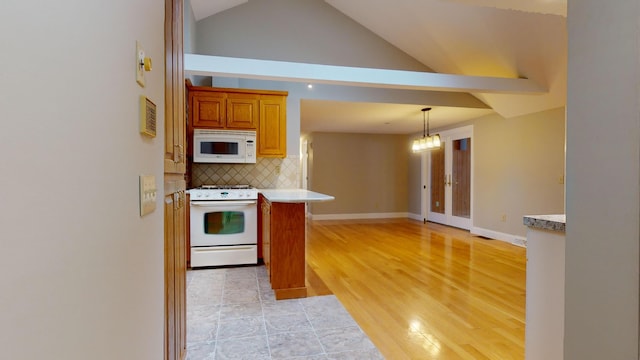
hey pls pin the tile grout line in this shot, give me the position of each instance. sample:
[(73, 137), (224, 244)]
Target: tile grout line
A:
[(264, 319), (215, 347), (313, 328)]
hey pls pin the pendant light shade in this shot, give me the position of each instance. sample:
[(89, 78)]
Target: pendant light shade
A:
[(427, 142), (436, 140)]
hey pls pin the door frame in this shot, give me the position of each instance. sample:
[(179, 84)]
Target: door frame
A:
[(174, 171), (425, 179)]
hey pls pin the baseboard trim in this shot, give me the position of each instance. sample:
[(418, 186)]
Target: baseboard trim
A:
[(358, 216), (415, 217), (496, 235)]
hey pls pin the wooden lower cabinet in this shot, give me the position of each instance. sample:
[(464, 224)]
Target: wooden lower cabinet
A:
[(175, 313), (283, 247), (175, 274)]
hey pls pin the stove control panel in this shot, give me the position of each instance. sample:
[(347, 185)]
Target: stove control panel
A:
[(223, 194)]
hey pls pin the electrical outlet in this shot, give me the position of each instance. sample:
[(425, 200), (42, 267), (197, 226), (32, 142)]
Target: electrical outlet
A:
[(139, 64), (503, 218), (277, 169), (148, 193)]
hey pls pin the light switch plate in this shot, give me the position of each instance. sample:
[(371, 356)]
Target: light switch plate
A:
[(139, 66), (148, 193)]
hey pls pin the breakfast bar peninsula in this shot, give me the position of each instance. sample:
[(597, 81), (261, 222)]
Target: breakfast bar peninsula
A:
[(281, 238), (544, 329)]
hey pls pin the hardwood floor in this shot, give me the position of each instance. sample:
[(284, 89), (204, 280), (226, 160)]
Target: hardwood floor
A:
[(423, 291)]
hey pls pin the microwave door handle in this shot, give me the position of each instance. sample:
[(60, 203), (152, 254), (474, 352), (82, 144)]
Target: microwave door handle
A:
[(221, 203)]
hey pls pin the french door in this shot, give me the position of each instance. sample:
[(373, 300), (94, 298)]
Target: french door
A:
[(448, 179)]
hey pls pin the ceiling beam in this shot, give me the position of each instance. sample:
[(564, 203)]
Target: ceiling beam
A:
[(207, 65)]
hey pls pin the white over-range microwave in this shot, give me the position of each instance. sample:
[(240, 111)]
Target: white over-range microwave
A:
[(224, 146)]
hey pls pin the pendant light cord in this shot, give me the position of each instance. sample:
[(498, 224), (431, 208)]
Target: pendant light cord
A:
[(427, 122)]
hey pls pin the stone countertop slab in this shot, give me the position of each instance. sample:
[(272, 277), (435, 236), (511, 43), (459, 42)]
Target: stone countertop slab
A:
[(294, 195), (555, 222)]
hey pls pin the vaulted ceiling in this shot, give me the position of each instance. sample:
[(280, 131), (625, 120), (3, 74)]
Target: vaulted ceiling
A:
[(492, 38)]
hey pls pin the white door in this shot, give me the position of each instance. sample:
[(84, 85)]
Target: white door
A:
[(449, 177)]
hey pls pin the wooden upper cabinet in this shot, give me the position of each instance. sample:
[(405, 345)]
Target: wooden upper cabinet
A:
[(242, 111), (272, 137), (221, 110), (264, 111), (209, 109)]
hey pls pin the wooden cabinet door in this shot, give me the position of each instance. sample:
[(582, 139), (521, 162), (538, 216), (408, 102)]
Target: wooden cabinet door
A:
[(272, 141), (175, 340), (266, 235), (171, 322), (175, 274), (208, 109), (242, 111), (180, 249), (174, 136)]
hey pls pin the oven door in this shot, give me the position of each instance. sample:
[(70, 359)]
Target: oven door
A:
[(224, 222)]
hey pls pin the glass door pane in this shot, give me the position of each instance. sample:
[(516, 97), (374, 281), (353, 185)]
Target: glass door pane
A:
[(437, 180), (449, 174), (461, 178)]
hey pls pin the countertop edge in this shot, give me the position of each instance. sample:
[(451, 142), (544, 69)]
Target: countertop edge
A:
[(554, 222), (294, 195)]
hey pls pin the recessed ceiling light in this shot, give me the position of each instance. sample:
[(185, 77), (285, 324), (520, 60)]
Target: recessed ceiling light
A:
[(310, 86)]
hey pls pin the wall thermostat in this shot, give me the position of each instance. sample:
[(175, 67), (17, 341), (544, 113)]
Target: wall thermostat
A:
[(147, 117)]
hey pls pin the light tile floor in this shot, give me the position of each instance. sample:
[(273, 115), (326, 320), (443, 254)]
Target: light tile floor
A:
[(232, 314)]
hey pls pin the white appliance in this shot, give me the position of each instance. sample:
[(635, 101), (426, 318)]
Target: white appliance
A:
[(224, 146), (224, 225)]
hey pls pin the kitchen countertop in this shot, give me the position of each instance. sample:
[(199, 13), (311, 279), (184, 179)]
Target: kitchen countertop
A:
[(556, 222), (294, 195)]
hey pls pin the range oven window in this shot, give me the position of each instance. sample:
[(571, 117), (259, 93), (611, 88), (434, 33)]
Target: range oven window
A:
[(219, 148), (224, 222)]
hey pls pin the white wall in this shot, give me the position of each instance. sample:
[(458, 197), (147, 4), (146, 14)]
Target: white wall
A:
[(603, 180), (296, 30), (367, 174), (81, 273), (518, 170)]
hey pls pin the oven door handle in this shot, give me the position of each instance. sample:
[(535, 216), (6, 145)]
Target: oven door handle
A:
[(222, 203)]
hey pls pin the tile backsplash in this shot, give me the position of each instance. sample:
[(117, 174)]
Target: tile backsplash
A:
[(266, 173)]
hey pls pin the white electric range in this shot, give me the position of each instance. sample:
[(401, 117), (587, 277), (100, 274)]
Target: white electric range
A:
[(224, 221)]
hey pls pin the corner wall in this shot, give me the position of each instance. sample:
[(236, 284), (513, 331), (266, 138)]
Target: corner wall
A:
[(603, 177), (82, 274), (519, 170)]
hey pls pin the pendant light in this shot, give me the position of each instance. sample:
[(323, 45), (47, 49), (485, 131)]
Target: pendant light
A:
[(427, 142)]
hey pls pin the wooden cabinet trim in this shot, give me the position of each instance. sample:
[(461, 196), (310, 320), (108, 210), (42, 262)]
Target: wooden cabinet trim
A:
[(237, 91)]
